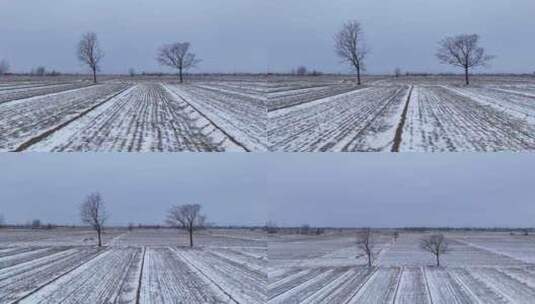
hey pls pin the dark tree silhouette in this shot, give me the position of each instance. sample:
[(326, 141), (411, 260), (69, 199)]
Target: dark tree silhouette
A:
[(435, 244), (93, 213), (463, 51), (365, 244), (89, 53), (177, 56), (351, 47), (187, 217)]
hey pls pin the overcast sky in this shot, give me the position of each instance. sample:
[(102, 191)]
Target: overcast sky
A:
[(410, 189), (137, 188), (375, 189), (260, 35)]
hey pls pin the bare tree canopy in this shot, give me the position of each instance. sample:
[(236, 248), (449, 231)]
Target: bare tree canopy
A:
[(177, 56), (36, 223), (39, 71), (271, 227), (365, 243), (435, 244), (301, 71), (89, 53), (187, 217), (397, 72), (351, 47), (93, 213), (463, 51), (4, 67)]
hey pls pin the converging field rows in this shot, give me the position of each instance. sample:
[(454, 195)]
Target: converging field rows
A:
[(129, 275), (411, 285), (263, 115), (121, 117)]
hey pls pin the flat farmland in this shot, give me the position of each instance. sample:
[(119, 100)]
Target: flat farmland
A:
[(360, 120), (482, 267), (422, 114), (123, 115), (248, 266), (259, 113), (32, 270)]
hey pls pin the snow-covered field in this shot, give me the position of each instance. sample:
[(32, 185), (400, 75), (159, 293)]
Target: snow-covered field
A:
[(482, 267), (254, 113), (406, 114), (245, 266), (139, 266), (123, 115)]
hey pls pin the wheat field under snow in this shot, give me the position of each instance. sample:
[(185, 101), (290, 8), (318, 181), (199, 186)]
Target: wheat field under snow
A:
[(63, 265), (258, 113)]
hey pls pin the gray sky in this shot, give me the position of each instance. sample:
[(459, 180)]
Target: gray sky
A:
[(255, 35), (225, 34), (341, 189), (137, 188), (404, 33), (408, 189)]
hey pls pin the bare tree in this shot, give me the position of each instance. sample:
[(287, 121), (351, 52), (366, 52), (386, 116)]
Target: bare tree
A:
[(131, 72), (187, 217), (89, 53), (365, 243), (177, 56), (93, 213), (301, 71), (396, 235), (36, 224), (397, 72), (271, 227), (2, 220), (463, 51), (435, 244), (305, 229), (4, 67), (39, 71), (351, 47)]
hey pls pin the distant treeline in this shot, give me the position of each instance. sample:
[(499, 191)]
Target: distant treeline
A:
[(305, 229), (47, 226), (54, 73), (418, 74), (320, 230)]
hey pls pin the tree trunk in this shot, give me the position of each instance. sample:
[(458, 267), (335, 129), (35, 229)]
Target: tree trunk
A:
[(94, 76), (369, 260), (438, 260), (180, 75), (358, 75), (191, 237), (466, 78), (99, 238)]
